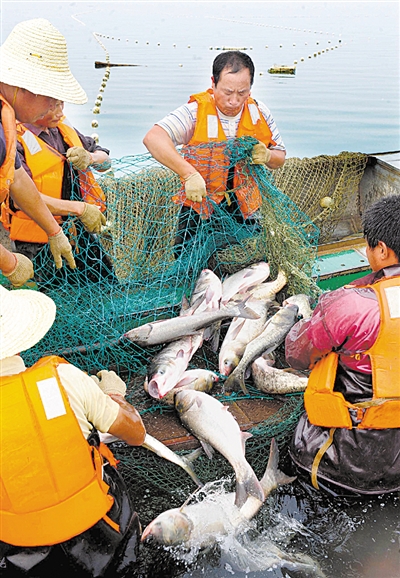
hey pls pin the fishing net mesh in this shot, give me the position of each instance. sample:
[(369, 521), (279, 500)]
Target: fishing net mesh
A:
[(134, 271)]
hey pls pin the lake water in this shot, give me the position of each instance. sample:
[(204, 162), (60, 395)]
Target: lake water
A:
[(346, 98)]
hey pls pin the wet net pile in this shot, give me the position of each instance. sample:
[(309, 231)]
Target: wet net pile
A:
[(134, 272)]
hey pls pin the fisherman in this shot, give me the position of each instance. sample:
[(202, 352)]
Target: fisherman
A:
[(34, 75), (349, 437), (45, 147), (63, 503), (224, 112)]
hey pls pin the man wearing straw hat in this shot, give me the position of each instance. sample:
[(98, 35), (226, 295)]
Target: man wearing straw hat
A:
[(34, 77), (63, 504)]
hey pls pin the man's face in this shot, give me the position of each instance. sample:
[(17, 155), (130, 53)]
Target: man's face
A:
[(29, 107), (52, 118), (231, 91)]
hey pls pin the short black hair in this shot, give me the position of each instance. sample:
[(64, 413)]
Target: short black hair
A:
[(235, 61), (381, 222)]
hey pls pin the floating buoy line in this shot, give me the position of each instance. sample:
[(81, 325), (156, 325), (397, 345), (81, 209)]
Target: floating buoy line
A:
[(99, 98)]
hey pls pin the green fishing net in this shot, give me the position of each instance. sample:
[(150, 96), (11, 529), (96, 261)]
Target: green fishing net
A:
[(132, 272)]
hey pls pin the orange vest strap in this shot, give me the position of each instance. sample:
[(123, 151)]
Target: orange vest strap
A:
[(7, 168)]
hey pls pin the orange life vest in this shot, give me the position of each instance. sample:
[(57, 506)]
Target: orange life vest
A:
[(212, 162), (51, 486), (47, 168), (7, 168), (328, 408)]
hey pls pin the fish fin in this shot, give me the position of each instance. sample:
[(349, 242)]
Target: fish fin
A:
[(245, 436), (237, 329), (185, 306), (212, 333), (185, 381), (209, 450), (194, 455), (196, 304), (146, 384), (250, 487), (273, 477)]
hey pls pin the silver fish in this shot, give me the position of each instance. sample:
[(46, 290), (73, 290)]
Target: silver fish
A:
[(166, 330), (168, 366), (209, 286), (239, 334), (303, 303), (198, 525), (243, 280), (197, 379), (270, 289), (275, 331), (216, 428), (154, 445), (272, 380)]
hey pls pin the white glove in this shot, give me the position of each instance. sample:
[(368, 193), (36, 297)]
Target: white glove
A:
[(260, 155), (61, 247), (109, 382), (92, 218), (22, 271), (79, 158), (195, 187)]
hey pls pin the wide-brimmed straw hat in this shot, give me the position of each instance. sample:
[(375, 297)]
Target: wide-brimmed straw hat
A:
[(35, 57), (26, 316)]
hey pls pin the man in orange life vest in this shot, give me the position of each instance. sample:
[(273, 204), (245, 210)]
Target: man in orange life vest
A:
[(44, 147), (34, 74), (63, 505), (349, 438), (224, 112)]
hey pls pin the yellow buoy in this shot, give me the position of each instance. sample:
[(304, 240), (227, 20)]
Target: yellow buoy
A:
[(96, 110), (95, 137), (95, 124), (326, 202)]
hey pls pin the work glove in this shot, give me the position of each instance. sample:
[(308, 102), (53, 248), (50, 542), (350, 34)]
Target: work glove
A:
[(60, 247), (22, 271), (195, 187), (92, 218), (260, 155), (79, 158), (109, 382)]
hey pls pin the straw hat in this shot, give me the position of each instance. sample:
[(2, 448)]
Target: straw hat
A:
[(34, 57), (25, 317)]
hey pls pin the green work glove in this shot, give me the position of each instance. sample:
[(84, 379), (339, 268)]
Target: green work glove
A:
[(61, 247), (79, 158), (195, 187), (260, 155), (22, 271), (109, 382), (92, 218)]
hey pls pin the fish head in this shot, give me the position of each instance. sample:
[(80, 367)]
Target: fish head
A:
[(303, 303), (161, 382), (138, 334), (228, 364), (170, 528)]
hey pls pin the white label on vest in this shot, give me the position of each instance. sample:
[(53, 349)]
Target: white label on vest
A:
[(254, 113), (393, 301), (212, 126), (51, 397), (31, 142)]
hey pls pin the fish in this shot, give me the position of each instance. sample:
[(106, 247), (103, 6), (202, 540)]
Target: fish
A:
[(168, 366), (166, 330), (276, 329), (276, 381), (303, 303), (197, 379), (199, 525), (240, 333), (208, 285), (270, 289), (243, 280), (153, 444), (216, 428)]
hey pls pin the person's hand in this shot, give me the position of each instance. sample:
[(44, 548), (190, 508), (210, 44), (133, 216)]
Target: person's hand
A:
[(260, 155), (79, 158), (92, 218), (22, 271), (195, 187), (61, 247), (109, 382)]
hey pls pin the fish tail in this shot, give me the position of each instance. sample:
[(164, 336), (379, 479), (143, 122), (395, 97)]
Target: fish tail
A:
[(244, 311), (273, 477), (189, 470), (249, 487), (234, 381)]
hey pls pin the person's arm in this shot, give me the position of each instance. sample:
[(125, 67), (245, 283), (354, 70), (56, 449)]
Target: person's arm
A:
[(7, 260), (160, 146), (129, 425)]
